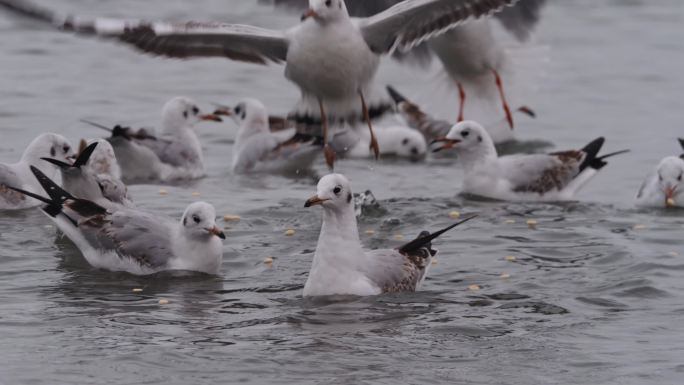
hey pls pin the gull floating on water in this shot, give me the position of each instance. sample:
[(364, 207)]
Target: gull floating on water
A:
[(332, 58), (258, 149), (131, 240), (394, 140), (535, 177), (175, 154), (664, 187), (342, 267), (19, 175), (469, 53)]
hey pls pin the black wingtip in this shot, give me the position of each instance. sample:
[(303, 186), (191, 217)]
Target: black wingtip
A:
[(591, 150), (396, 96), (57, 163), (85, 155), (425, 238), (53, 208), (56, 193), (681, 142)]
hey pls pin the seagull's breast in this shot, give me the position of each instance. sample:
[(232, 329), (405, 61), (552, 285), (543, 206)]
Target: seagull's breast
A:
[(330, 61)]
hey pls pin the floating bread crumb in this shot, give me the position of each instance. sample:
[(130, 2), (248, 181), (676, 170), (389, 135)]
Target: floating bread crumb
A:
[(474, 287), (505, 275), (399, 237), (137, 290), (289, 232), (196, 194), (163, 301), (268, 260), (454, 215), (370, 232), (511, 258), (509, 221), (231, 218), (163, 192)]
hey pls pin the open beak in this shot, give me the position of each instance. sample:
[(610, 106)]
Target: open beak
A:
[(314, 201), (211, 117), (447, 144), (72, 157), (216, 231), (669, 197), (309, 13)]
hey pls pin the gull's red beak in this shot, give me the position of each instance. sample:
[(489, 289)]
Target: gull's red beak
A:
[(314, 201), (211, 117), (309, 13), (223, 111), (216, 231), (447, 144)]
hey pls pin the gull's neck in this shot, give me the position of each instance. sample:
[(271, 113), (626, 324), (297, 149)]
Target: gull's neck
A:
[(250, 128), (339, 242), (473, 158)]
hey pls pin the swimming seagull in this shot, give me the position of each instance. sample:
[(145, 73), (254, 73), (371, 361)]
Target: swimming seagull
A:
[(332, 58), (534, 177), (664, 186), (175, 154), (469, 53), (259, 149), (19, 175), (131, 240), (103, 160), (342, 267), (394, 140)]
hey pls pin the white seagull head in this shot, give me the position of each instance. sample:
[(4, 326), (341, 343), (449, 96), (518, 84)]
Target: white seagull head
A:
[(670, 172), (48, 145), (199, 222), (103, 160), (411, 144), (180, 112), (470, 140), (333, 193), (251, 114), (324, 11)]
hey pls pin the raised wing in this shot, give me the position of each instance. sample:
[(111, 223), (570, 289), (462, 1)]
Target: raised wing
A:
[(411, 22), (521, 19), (176, 40)]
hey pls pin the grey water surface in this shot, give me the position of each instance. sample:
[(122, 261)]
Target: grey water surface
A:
[(593, 295)]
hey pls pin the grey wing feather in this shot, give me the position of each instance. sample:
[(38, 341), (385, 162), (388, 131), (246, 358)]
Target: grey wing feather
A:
[(411, 22), (10, 178), (541, 173), (394, 272), (176, 40), (173, 152), (522, 18), (142, 237)]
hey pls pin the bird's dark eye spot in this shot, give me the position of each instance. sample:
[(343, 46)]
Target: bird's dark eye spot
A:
[(660, 177), (405, 141), (243, 115), (479, 138), (349, 198), (66, 148), (196, 218), (679, 178), (465, 134), (195, 110), (53, 152), (328, 3), (337, 190), (185, 114)]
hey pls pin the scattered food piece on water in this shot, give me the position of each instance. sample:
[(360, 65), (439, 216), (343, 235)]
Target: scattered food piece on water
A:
[(673, 254), (639, 227), (532, 224), (268, 261), (196, 194), (289, 232), (399, 237), (434, 261), (163, 301), (231, 218), (474, 287), (505, 275), (511, 258), (454, 215), (137, 290), (370, 232), (163, 192), (509, 221), (670, 202)]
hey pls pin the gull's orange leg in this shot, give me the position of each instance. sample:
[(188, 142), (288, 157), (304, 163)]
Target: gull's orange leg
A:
[(507, 110)]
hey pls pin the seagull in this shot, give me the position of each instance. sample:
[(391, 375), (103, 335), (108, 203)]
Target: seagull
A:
[(394, 140), (535, 177), (663, 187), (79, 179), (176, 154), (103, 160), (469, 53), (131, 240), (434, 128), (331, 57), (259, 149), (342, 267), (19, 175)]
